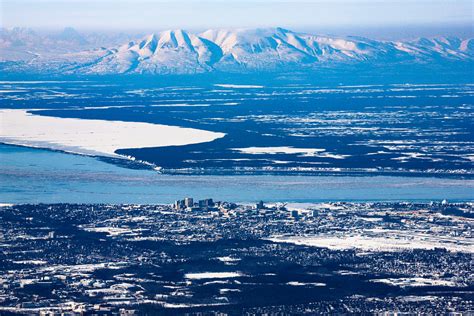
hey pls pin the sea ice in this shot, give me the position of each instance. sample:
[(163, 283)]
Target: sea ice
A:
[(93, 137), (212, 275)]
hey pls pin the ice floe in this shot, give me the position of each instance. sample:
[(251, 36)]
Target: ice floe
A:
[(93, 137), (311, 284), (416, 282), (279, 150), (212, 275), (238, 86)]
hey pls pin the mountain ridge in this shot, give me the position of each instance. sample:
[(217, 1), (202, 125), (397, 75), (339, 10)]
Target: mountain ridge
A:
[(226, 50)]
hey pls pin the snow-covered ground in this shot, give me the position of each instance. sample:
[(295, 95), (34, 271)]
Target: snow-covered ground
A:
[(380, 240), (113, 231), (92, 137)]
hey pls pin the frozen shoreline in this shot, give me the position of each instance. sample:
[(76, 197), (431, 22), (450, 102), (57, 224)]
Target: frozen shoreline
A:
[(93, 137)]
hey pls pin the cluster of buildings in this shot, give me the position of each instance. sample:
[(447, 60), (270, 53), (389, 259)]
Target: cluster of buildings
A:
[(209, 205), (206, 205), (189, 204)]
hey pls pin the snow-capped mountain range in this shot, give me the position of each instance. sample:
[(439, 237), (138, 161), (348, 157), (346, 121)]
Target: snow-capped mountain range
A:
[(226, 50)]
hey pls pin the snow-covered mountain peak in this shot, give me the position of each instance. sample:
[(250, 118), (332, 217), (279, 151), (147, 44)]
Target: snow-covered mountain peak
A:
[(229, 38), (228, 50), (175, 39)]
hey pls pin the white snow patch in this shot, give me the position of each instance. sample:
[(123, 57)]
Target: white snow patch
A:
[(34, 262), (111, 231)]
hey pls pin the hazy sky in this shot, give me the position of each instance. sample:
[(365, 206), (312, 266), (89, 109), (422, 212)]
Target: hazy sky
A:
[(194, 14)]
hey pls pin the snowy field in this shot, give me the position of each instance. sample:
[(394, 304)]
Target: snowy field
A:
[(379, 240), (93, 137)]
